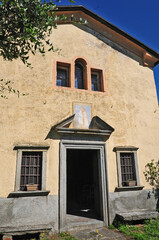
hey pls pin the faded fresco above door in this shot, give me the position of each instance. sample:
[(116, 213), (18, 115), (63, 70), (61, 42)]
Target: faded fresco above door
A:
[(82, 115)]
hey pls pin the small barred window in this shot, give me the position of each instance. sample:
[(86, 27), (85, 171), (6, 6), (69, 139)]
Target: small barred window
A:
[(31, 169), (127, 167)]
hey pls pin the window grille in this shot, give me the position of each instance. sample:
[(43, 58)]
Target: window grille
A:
[(127, 167), (31, 169)]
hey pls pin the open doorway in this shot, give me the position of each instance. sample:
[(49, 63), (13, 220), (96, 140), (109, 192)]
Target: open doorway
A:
[(84, 195)]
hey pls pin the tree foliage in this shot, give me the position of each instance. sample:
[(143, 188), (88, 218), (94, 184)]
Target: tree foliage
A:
[(25, 26), (152, 173), (7, 87)]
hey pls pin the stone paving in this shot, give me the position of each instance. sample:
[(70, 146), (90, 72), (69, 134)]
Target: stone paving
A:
[(103, 233)]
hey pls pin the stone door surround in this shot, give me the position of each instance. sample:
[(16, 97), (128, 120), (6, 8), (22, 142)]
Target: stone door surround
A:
[(82, 144)]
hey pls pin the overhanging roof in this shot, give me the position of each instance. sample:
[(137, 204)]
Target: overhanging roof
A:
[(149, 56)]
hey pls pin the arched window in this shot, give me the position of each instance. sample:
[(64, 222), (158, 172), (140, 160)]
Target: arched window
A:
[(79, 73)]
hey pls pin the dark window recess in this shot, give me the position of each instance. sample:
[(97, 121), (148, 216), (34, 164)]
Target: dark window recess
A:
[(127, 167), (96, 81), (62, 77), (31, 169), (79, 76)]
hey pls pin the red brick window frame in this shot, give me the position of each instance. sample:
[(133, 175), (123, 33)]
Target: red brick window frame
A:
[(81, 68), (70, 69), (97, 83), (63, 74)]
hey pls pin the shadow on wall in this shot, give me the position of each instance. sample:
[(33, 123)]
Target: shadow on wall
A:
[(35, 236), (156, 192), (156, 195)]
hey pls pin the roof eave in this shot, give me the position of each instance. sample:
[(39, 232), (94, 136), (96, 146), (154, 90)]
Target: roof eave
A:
[(147, 51)]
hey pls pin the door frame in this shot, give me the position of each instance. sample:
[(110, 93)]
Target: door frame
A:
[(79, 144)]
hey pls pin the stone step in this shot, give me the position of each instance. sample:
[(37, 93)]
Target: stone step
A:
[(136, 215), (80, 223)]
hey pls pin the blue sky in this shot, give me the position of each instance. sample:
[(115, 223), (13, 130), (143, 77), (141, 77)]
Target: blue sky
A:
[(139, 18)]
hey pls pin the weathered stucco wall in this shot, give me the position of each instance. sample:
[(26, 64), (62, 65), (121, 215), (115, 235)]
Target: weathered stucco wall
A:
[(129, 105)]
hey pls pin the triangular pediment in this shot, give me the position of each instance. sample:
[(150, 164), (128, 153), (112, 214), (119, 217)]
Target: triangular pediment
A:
[(96, 127), (98, 123), (64, 123)]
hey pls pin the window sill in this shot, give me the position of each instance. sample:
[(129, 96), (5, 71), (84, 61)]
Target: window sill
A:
[(79, 90), (28, 194), (133, 188)]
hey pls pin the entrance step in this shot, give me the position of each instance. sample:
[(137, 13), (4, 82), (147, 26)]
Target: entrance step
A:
[(75, 223), (138, 214)]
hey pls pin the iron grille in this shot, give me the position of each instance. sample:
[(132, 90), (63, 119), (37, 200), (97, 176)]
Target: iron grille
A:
[(31, 169), (127, 167)]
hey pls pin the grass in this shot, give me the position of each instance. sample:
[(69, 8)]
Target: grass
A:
[(66, 236), (148, 231), (59, 236)]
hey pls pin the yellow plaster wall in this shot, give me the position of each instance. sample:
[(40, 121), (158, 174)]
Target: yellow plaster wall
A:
[(129, 105)]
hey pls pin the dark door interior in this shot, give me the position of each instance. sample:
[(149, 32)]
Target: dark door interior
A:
[(83, 185)]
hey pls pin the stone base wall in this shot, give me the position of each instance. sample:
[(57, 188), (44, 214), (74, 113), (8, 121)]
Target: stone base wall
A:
[(132, 201), (28, 215), (36, 214)]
